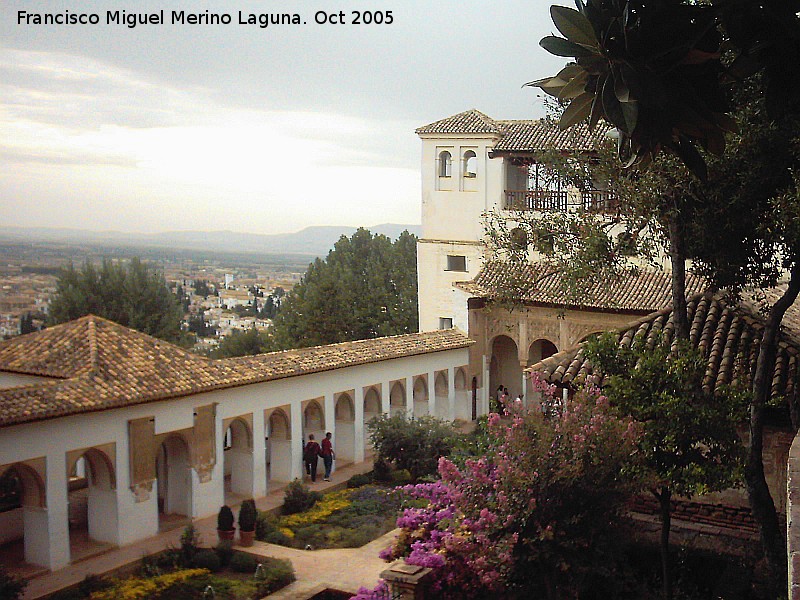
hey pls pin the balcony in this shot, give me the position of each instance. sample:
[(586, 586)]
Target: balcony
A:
[(595, 201)]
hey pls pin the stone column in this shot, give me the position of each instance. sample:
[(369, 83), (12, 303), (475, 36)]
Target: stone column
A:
[(385, 391), (259, 455), (296, 425), (451, 394), (432, 393), (55, 515), (330, 416), (409, 397), (406, 582), (358, 426)]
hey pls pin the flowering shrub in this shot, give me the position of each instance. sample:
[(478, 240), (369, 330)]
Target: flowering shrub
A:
[(530, 512), (136, 588), (329, 504)]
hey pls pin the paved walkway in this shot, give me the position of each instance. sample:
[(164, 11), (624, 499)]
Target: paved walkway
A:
[(345, 570)]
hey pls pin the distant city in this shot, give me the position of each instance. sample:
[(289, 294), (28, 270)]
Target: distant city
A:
[(233, 281)]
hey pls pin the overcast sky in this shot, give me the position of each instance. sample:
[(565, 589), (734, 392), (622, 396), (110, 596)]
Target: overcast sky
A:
[(262, 130)]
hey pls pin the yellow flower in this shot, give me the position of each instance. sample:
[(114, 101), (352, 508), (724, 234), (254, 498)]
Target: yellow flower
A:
[(321, 510), (136, 588)]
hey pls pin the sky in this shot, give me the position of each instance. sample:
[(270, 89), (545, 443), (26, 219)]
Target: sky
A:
[(165, 127)]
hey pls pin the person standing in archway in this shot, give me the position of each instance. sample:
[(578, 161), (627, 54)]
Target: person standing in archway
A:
[(328, 455), (311, 457)]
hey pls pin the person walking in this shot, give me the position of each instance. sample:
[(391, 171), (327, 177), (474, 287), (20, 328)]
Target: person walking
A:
[(311, 457), (328, 455)]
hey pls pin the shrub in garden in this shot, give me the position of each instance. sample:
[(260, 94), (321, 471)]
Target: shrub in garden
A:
[(190, 544), (299, 497), (401, 477), (207, 559), (243, 563), (358, 480), (274, 574), (535, 513), (136, 588), (411, 443), (248, 515), (382, 470), (11, 586), (224, 550)]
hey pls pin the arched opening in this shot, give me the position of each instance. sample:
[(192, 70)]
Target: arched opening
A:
[(92, 504), (470, 164), (445, 163), (540, 349), (504, 368), (420, 394), (463, 410), (174, 474), (238, 461), (441, 391), (345, 428), (372, 409), (24, 538), (313, 421), (278, 447), (397, 398)]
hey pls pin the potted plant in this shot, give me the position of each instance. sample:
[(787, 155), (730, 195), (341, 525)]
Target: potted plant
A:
[(225, 527), (247, 522)]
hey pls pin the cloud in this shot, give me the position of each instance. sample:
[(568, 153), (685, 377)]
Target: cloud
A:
[(98, 131)]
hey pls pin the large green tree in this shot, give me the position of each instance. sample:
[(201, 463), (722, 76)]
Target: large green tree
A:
[(365, 288), (689, 442), (133, 294), (657, 72), (242, 343)]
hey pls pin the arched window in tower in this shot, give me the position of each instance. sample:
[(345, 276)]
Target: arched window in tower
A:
[(470, 164), (445, 163)]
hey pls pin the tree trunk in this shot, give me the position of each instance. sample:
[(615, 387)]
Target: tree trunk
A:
[(664, 501), (761, 503), (677, 256)]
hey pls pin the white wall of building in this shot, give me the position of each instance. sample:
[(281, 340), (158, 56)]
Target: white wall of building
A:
[(46, 528)]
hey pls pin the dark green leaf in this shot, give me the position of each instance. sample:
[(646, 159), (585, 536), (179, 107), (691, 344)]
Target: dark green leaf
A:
[(577, 111), (597, 111), (574, 88), (561, 47), (693, 160), (573, 25)]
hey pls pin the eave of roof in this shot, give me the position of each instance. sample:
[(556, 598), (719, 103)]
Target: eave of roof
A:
[(535, 284), (131, 368), (728, 335)]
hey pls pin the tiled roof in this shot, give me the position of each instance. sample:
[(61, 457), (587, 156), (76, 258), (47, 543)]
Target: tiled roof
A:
[(532, 136), (535, 283), (727, 335), (469, 121), (520, 135), (114, 366)]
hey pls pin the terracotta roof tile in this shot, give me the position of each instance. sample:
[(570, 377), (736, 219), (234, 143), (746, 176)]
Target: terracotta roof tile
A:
[(114, 366), (727, 335), (643, 292), (469, 121), (519, 135)]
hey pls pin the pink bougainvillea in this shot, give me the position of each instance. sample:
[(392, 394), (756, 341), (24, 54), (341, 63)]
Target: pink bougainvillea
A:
[(528, 512)]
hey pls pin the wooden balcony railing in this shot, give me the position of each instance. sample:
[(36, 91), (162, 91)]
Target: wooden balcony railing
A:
[(596, 201)]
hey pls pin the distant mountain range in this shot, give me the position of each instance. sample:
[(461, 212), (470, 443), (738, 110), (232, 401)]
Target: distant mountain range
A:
[(313, 241)]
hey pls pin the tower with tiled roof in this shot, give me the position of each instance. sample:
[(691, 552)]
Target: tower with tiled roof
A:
[(473, 164)]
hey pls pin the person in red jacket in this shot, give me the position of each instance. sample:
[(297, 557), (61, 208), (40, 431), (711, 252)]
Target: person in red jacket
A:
[(311, 457), (328, 455)]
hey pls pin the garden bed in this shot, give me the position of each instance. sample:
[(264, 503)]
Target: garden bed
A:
[(348, 518), (187, 573)]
